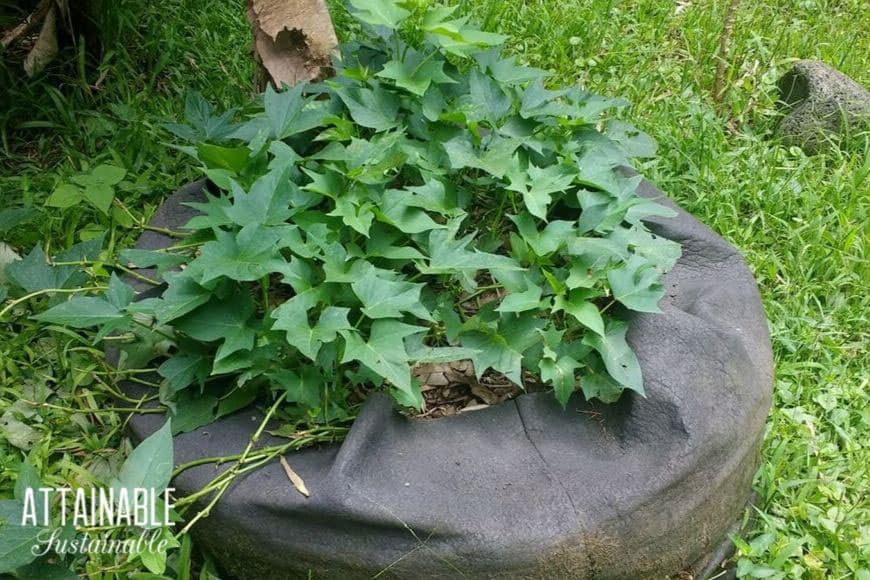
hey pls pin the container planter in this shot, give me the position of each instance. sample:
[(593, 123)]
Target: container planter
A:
[(644, 488)]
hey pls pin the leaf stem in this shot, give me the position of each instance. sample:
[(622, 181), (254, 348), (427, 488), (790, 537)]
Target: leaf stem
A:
[(115, 266), (264, 292), (424, 61)]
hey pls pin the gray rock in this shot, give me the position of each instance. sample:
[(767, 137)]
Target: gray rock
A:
[(821, 103)]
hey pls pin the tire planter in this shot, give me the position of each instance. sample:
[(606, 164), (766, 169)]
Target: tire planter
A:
[(645, 488)]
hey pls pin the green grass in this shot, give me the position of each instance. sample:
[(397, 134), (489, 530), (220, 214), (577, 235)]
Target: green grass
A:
[(799, 220)]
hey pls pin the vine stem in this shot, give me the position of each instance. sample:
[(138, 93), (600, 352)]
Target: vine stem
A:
[(115, 266), (235, 470), (27, 297), (164, 231), (119, 395), (101, 410), (144, 226)]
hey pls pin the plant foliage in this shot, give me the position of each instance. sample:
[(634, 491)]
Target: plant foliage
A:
[(431, 202)]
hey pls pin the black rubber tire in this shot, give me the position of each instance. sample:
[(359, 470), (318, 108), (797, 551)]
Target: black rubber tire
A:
[(645, 488)]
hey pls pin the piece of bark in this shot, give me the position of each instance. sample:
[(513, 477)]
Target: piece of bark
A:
[(28, 24), (45, 48), (293, 39)]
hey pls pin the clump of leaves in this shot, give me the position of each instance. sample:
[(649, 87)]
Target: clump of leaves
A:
[(96, 187), (432, 202)]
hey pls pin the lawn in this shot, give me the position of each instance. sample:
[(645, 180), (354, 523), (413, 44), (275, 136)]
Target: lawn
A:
[(799, 220)]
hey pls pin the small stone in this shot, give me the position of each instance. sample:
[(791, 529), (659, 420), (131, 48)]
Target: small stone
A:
[(820, 102)]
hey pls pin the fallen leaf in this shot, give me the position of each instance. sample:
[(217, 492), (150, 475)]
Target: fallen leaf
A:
[(294, 478), (18, 433)]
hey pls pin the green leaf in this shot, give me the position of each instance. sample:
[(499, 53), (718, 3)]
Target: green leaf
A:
[(448, 255), (380, 12), (619, 359), (292, 317), (289, 112), (100, 195), (13, 217), (267, 203), (33, 272), (65, 195), (107, 174), (16, 540), (181, 370), (632, 140), (416, 72), (486, 99), (560, 374), (637, 285), (506, 71), (203, 125), (373, 108), (81, 312), (586, 313), (28, 478), (221, 319), (46, 568), (537, 184), (497, 158), (382, 298), (304, 388), (399, 208), (412, 397), (163, 261), (359, 217), (502, 350), (596, 253), (455, 36), (230, 158), (119, 294), (246, 256), (660, 252), (381, 244), (149, 465), (600, 386), (192, 410), (384, 353), (18, 433), (521, 301), (419, 352), (547, 241), (182, 295), (495, 352)]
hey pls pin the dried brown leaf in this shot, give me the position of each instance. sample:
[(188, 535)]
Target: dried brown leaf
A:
[(294, 478)]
